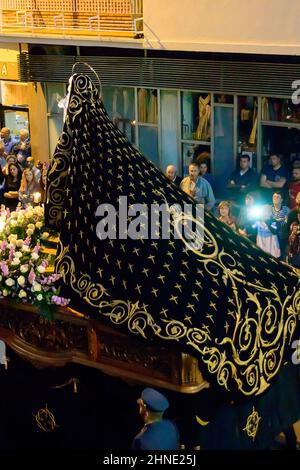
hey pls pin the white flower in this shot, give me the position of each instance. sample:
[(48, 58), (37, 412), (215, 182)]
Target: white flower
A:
[(5, 293), (36, 287), (31, 227), (25, 248), (21, 280), (9, 282), (22, 294), (34, 256), (20, 219), (24, 269), (28, 214), (18, 254), (15, 262), (13, 223), (39, 225), (13, 214), (45, 235), (29, 232), (19, 243), (39, 297), (12, 236), (41, 269)]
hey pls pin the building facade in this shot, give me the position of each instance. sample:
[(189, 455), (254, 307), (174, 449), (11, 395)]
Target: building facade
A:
[(189, 80)]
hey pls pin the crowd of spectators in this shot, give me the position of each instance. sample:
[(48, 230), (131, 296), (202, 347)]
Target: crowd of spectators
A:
[(263, 207), (20, 178)]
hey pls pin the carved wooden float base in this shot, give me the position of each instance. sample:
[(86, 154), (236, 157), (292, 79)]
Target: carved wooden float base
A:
[(74, 338)]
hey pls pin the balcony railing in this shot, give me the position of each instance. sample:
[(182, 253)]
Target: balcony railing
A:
[(72, 18)]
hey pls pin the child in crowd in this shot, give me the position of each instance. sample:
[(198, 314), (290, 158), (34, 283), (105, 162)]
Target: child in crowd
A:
[(225, 215), (267, 230)]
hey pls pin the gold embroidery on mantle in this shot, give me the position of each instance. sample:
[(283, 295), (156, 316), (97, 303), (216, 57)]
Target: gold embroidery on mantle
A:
[(257, 344), (45, 420), (252, 424)]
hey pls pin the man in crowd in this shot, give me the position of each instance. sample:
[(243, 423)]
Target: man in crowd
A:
[(172, 176), (274, 176), (7, 140), (197, 187), (243, 180), (23, 148)]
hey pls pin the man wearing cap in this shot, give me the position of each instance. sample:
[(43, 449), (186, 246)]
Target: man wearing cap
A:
[(158, 433)]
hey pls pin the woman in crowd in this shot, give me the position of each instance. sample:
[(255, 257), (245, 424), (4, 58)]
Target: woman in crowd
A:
[(294, 243), (28, 187), (9, 159), (12, 186), (225, 215)]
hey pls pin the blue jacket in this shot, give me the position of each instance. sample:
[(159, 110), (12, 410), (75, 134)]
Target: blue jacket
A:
[(160, 435)]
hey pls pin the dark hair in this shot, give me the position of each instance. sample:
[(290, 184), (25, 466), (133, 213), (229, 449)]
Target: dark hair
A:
[(244, 156)]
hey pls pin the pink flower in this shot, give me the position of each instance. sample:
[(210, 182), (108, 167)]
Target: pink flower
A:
[(45, 263), (27, 241), (31, 277), (11, 254), (36, 249), (59, 300), (4, 268), (3, 245)]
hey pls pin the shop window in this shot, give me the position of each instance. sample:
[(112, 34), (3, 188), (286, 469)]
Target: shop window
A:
[(223, 99), (147, 105), (56, 101), (247, 127), (148, 143), (224, 161), (119, 104), (277, 109), (281, 140), (169, 129), (195, 152), (196, 116)]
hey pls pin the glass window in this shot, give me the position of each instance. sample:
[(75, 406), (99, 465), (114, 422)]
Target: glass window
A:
[(119, 104), (148, 143), (147, 105), (223, 149), (194, 152), (196, 115), (56, 93), (224, 99), (281, 140), (247, 124), (276, 109), (169, 129)]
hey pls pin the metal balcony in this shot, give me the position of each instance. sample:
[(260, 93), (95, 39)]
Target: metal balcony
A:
[(85, 19)]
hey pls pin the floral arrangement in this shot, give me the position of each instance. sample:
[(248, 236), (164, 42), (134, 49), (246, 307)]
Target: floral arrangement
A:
[(24, 268)]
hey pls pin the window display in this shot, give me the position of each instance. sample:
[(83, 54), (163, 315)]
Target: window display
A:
[(147, 105), (277, 109), (196, 116)]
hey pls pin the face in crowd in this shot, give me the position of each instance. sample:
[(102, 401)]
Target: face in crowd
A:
[(277, 199), (194, 171), (244, 163), (4, 133), (171, 172), (13, 170), (275, 161), (203, 168), (296, 174)]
